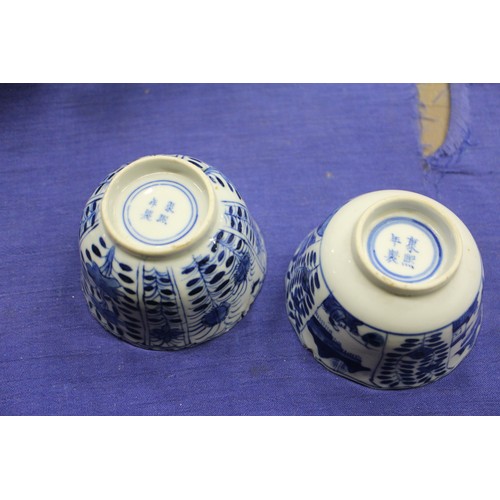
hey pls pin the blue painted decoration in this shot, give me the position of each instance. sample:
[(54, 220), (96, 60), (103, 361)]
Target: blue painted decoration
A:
[(158, 307), (332, 333)]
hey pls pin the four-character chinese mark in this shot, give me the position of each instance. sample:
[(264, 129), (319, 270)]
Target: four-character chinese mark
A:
[(161, 217), (408, 259)]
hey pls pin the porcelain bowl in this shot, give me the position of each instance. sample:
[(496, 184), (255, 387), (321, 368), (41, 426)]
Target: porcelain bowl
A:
[(387, 290), (170, 255)]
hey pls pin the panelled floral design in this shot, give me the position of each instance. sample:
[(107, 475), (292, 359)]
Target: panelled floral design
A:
[(303, 278), (163, 309), (90, 217), (217, 283), (355, 350), (158, 307), (110, 289)]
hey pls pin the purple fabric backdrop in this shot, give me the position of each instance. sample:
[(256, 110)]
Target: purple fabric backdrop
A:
[(295, 152)]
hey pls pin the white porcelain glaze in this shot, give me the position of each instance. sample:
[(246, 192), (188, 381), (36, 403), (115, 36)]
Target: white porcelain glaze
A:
[(170, 254), (396, 288)]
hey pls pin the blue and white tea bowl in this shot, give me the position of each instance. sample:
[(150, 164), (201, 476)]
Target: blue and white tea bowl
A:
[(170, 254), (387, 291)]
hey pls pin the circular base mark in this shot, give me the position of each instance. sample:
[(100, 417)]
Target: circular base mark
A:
[(160, 212), (404, 249)]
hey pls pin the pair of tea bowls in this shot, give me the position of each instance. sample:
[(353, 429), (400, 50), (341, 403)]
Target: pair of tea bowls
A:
[(385, 292)]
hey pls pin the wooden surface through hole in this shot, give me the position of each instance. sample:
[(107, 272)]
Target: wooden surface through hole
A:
[(434, 115)]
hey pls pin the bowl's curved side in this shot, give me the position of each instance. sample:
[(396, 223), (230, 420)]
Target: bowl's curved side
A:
[(179, 301), (357, 351)]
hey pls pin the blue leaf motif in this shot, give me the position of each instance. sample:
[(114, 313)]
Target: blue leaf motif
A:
[(165, 335), (163, 309), (373, 339), (216, 315), (102, 309), (108, 285), (242, 269)]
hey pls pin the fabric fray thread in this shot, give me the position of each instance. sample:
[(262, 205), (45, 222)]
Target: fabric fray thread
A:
[(457, 137)]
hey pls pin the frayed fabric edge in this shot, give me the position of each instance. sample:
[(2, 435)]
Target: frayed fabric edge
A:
[(457, 137)]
